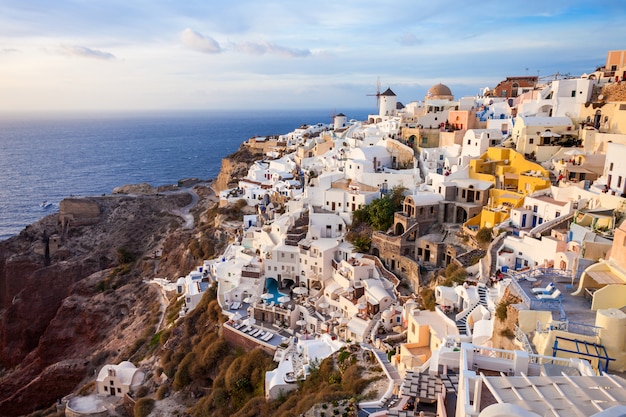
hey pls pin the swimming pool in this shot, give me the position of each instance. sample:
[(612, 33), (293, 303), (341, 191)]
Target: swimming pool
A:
[(272, 287)]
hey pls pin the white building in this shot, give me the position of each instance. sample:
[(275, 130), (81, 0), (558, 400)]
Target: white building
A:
[(119, 380), (615, 169), (559, 98)]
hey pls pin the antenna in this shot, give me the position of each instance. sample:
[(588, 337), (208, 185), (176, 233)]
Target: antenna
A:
[(377, 93)]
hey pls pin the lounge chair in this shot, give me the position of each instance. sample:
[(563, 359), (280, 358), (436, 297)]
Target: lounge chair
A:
[(544, 290), (246, 329), (553, 296), (268, 337), (537, 284)]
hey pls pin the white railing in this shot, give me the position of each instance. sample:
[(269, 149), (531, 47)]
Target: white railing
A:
[(523, 339)]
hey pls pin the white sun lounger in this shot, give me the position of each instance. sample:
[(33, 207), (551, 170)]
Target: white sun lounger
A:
[(268, 337), (554, 296), (541, 290)]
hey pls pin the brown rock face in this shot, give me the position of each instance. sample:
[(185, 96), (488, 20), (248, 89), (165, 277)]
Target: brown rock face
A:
[(235, 167), (57, 320)]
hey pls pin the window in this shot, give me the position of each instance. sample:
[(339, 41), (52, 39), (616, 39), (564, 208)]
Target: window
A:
[(557, 214), (531, 141), (282, 254), (111, 382), (573, 93), (469, 141), (619, 181), (611, 167), (424, 140), (106, 388), (119, 390), (291, 256), (463, 194)]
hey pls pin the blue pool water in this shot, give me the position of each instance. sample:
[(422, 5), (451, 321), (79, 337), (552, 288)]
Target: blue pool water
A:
[(272, 287)]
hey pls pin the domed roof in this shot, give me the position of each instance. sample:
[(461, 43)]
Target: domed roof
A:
[(439, 90)]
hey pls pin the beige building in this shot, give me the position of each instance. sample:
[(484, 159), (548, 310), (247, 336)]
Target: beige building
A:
[(119, 380)]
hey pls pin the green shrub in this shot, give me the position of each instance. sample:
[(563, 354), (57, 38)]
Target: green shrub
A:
[(501, 310), (508, 333), (141, 392), (484, 235), (162, 391), (428, 298), (143, 407)]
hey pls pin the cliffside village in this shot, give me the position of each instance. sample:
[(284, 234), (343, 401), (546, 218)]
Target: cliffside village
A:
[(539, 164)]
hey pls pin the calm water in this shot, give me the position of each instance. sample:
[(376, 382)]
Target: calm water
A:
[(53, 157)]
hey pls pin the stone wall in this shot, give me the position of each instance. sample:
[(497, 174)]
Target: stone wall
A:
[(78, 211), (235, 338)]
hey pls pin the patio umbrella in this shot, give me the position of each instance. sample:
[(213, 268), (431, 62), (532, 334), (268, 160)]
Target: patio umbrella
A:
[(300, 290), (548, 134), (336, 314), (301, 323), (575, 152), (247, 300), (323, 305), (267, 296), (284, 299)]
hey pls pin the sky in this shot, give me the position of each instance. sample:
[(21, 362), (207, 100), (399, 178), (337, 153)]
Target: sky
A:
[(95, 55)]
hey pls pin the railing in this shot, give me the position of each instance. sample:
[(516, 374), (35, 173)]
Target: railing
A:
[(523, 339), (520, 292), (550, 224), (571, 327)]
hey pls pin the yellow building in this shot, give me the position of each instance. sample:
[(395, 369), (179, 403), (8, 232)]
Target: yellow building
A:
[(513, 178), (425, 333)]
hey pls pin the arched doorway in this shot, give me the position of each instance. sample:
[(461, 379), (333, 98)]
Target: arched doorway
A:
[(399, 229), (461, 215)]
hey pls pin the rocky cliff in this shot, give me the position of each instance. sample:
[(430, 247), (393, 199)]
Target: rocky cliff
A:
[(80, 299), (235, 167)]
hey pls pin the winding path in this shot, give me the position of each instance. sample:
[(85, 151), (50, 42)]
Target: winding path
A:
[(184, 211)]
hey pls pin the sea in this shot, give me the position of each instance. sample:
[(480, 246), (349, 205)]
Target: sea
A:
[(48, 157)]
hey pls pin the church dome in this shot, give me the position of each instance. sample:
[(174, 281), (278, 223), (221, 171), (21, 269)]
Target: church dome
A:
[(440, 91)]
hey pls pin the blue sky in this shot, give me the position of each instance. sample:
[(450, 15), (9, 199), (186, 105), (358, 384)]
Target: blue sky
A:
[(199, 54)]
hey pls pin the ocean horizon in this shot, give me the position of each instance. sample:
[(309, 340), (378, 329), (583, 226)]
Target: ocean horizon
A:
[(48, 156)]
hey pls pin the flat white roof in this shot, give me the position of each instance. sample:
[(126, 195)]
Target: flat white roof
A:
[(559, 395)]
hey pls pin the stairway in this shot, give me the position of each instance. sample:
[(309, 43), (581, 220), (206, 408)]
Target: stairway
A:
[(461, 323), (482, 295), (311, 310)]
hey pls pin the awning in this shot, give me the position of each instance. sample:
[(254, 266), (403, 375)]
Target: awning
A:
[(605, 277)]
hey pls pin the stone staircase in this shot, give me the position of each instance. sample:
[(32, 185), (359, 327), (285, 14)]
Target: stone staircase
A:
[(461, 323), (482, 295)]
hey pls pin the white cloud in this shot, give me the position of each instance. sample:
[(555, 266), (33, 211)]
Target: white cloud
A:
[(409, 39), (198, 42), (84, 52), (261, 48)]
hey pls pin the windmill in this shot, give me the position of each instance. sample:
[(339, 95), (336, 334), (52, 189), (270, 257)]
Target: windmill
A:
[(377, 94)]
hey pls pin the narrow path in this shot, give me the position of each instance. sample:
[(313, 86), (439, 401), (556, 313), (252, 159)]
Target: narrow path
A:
[(184, 212)]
